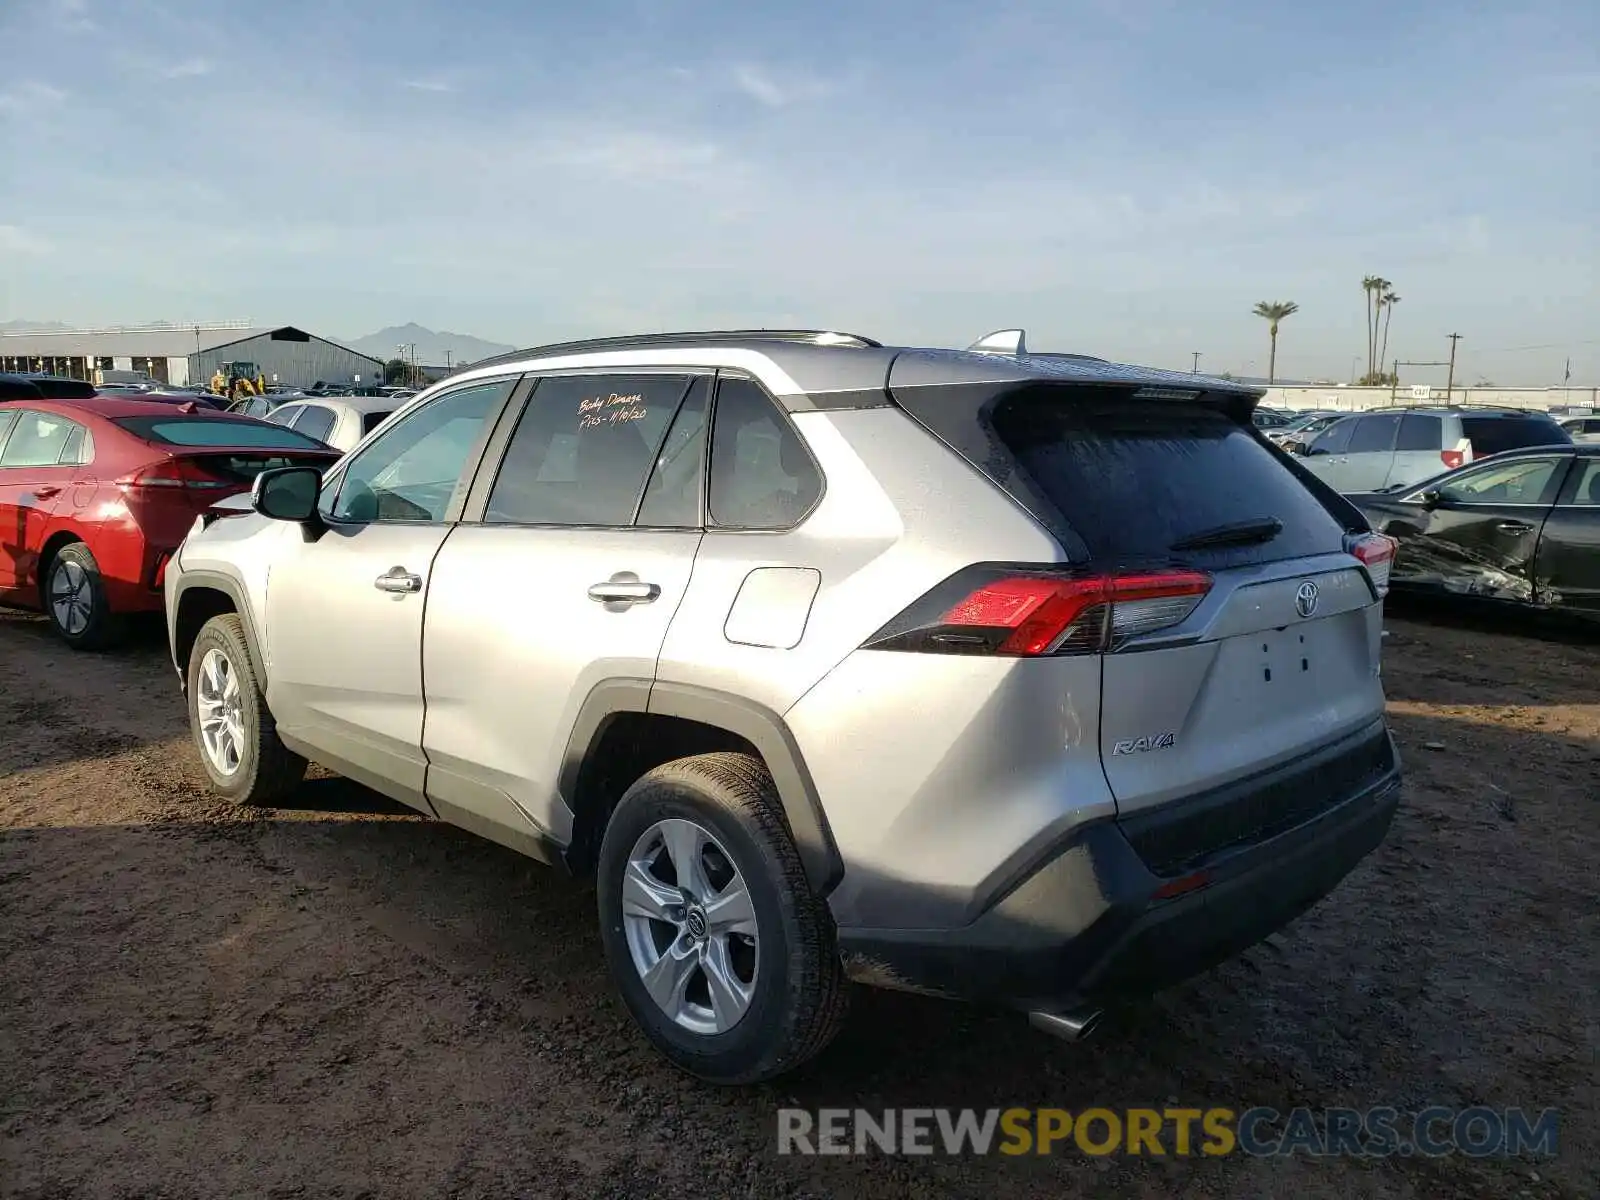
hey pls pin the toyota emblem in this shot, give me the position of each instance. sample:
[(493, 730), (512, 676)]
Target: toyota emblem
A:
[(1305, 600)]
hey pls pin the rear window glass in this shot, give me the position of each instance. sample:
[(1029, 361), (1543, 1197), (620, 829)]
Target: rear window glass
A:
[(1492, 435), (1135, 479), (214, 431)]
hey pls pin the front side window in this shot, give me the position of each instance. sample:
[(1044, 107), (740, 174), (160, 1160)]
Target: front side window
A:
[(39, 440), (411, 472), (1523, 482), (762, 477), (1335, 439), (583, 448)]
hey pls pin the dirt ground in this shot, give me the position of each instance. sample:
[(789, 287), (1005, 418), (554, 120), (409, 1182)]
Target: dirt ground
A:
[(344, 999)]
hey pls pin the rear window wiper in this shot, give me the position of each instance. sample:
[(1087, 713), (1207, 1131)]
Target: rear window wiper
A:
[(1240, 533)]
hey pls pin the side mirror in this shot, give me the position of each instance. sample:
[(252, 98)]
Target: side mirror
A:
[(287, 493), (1431, 499), (1300, 448)]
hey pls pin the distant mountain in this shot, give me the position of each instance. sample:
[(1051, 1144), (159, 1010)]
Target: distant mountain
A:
[(432, 349), (31, 326)]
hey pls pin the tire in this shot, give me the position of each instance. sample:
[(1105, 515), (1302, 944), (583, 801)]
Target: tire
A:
[(791, 976), (223, 687), (73, 596)]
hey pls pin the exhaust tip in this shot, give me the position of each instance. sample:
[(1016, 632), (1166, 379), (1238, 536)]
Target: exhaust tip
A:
[(1069, 1027)]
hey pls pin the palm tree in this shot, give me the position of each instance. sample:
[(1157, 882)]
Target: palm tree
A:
[(1386, 302), (1274, 311), (1376, 287)]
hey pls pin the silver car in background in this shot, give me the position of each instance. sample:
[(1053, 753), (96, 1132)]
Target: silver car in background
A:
[(337, 421)]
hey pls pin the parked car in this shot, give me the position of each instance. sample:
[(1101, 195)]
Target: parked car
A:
[(338, 422), (1303, 428), (1271, 418), (1522, 528), (690, 611), (27, 387), (96, 494), (259, 407), (1583, 430), (1396, 447)]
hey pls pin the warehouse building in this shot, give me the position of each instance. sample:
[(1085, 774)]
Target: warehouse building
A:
[(187, 354)]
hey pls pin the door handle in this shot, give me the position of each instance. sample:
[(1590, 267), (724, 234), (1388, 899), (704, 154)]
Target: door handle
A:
[(398, 580), (626, 590), (47, 492), (1513, 527)]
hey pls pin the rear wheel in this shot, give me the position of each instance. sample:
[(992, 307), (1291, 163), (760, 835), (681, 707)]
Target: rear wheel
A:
[(232, 726), (74, 599), (723, 954)]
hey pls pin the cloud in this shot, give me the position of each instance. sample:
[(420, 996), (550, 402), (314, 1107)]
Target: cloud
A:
[(14, 239), (28, 97), (71, 16), (189, 68), (428, 85), (762, 86)]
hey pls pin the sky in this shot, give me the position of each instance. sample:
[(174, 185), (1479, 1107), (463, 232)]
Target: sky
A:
[(1125, 178)]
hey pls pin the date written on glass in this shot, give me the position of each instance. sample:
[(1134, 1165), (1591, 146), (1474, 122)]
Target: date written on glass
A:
[(615, 409)]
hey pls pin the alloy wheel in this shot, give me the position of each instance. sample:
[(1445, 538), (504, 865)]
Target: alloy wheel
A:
[(71, 599), (690, 926), (220, 708)]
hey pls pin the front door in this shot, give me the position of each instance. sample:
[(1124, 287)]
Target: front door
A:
[(344, 609), (38, 460), (563, 575), (1483, 531)]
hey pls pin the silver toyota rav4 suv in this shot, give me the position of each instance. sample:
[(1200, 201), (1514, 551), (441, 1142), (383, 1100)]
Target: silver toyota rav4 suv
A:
[(1027, 679)]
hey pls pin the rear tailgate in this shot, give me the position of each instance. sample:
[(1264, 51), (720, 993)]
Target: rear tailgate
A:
[(1281, 656)]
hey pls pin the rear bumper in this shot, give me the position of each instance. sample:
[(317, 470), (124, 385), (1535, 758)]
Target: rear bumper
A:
[(1094, 922)]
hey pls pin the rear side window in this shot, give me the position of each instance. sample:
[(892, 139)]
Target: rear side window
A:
[(762, 476), (1135, 480), (370, 421), (1419, 431), (1374, 434), (315, 421), (217, 431), (1493, 435), (7, 420)]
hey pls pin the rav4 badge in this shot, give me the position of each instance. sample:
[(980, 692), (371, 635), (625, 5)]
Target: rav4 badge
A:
[(1154, 741)]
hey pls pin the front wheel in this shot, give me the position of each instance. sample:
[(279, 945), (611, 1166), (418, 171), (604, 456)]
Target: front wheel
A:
[(232, 726), (723, 954)]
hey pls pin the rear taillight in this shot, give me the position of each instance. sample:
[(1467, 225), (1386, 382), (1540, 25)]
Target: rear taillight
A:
[(1453, 458), (1020, 613), (173, 473), (1376, 553)]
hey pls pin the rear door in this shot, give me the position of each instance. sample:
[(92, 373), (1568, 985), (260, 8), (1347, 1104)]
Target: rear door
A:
[(564, 574), (1418, 451), (1568, 566), (1371, 452), (1278, 659), (1482, 532)]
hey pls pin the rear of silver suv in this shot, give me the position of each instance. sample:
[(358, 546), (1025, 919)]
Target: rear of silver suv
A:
[(1017, 678)]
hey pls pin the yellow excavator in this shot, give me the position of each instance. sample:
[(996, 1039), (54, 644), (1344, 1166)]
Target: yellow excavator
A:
[(237, 379)]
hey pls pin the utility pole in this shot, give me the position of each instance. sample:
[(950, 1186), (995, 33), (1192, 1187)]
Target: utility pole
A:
[(1195, 369), (447, 357), (1450, 379)]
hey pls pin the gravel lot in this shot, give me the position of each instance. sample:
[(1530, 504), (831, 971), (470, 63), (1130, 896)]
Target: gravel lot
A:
[(344, 999)]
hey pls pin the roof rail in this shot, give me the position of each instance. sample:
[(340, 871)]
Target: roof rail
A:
[(813, 337), (1447, 406)]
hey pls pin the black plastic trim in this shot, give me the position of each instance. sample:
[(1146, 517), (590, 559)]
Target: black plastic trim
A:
[(215, 581)]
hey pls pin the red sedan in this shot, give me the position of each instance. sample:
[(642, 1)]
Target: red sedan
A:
[(96, 494)]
